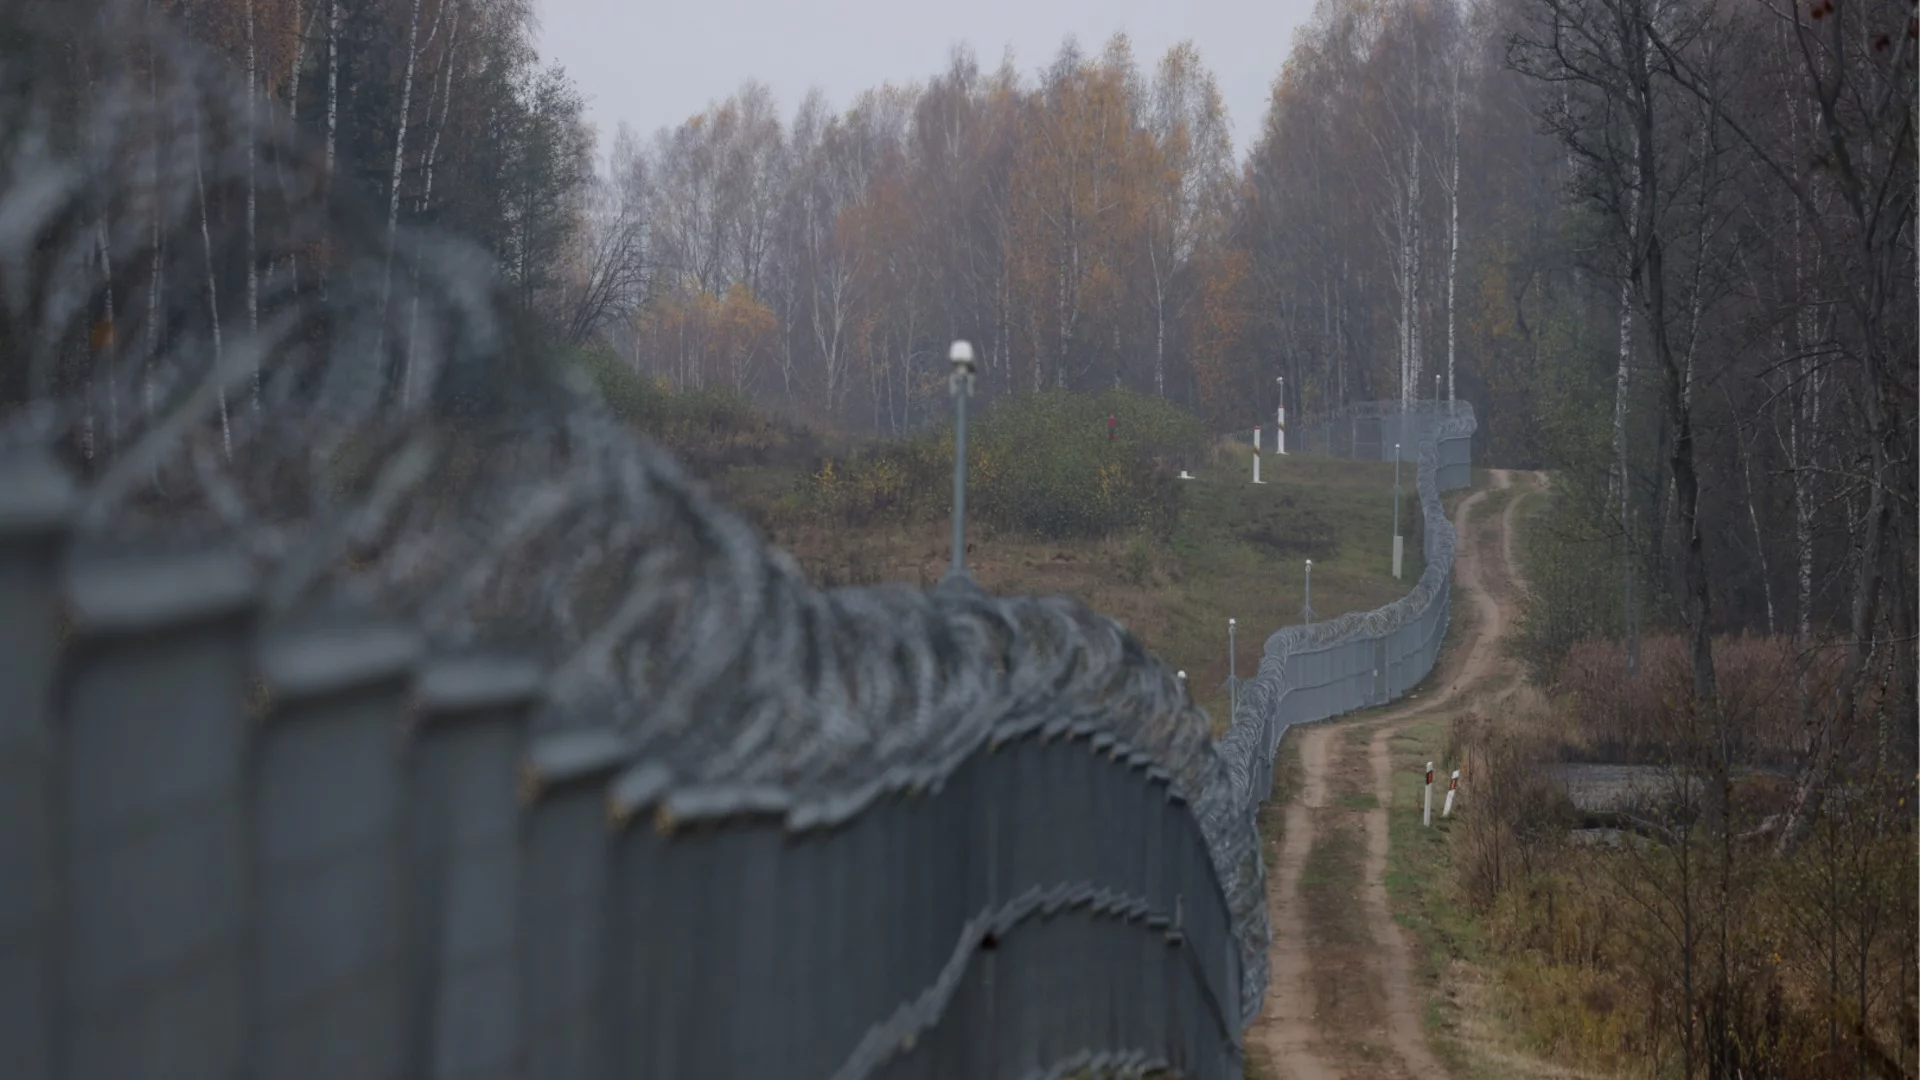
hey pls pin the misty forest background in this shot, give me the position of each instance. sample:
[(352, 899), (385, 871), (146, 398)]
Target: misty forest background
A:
[(1666, 248)]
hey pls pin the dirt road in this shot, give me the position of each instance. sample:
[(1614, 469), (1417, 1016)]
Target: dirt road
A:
[(1341, 1001)]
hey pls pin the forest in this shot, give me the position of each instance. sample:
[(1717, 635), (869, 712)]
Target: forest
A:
[(1666, 248)]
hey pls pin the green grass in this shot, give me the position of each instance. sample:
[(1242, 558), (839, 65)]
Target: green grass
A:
[(1242, 551), (1286, 781), (1237, 551), (1330, 882), (1420, 882), (1526, 525)]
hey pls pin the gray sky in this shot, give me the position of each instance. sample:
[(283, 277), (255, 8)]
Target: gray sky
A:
[(656, 64)]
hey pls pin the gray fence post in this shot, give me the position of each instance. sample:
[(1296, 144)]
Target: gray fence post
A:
[(469, 718), (150, 936), (35, 505), (328, 889), (563, 901)]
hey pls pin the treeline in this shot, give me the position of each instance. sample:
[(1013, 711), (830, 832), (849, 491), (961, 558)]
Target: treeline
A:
[(1065, 226), (1666, 245), (434, 111)]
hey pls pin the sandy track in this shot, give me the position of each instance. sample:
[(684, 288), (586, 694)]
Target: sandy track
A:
[(1294, 1038)]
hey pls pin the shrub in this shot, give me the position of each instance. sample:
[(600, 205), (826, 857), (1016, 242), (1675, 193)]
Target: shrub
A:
[(1039, 463)]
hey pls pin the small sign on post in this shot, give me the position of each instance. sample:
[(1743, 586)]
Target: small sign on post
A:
[(1453, 784), (1426, 813)]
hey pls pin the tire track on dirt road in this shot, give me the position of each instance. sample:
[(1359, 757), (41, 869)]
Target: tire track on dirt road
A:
[(1295, 1038)]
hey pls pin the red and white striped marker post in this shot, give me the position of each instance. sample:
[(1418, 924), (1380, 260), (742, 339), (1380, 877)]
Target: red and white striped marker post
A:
[(1446, 808), (1426, 813), (1256, 456)]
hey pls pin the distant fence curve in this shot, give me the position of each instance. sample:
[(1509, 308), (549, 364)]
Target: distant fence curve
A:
[(1315, 671)]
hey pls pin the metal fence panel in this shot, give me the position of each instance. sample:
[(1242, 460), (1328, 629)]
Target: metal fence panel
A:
[(150, 751), (328, 896), (564, 903), (387, 878), (467, 852), (34, 505)]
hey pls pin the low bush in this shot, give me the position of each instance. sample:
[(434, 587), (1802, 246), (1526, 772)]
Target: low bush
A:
[(1040, 464), (708, 428)]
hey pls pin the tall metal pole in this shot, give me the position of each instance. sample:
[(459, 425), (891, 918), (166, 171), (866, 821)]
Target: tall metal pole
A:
[(961, 385), (1396, 511), (1233, 677), (1306, 609)]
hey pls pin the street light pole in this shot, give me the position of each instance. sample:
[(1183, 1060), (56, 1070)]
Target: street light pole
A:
[(1233, 678), (1306, 609), (1397, 546), (961, 385)]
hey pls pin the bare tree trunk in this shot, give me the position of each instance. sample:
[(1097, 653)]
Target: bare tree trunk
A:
[(1753, 519), (393, 196), (1680, 463), (1617, 480), (333, 119), (110, 344), (253, 205), (1453, 230), (293, 116), (425, 202), (1159, 331), (213, 289), (446, 104), (158, 269)]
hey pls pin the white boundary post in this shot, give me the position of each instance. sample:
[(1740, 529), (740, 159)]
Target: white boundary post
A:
[(1280, 420), (1446, 808), (1256, 456), (1426, 814)]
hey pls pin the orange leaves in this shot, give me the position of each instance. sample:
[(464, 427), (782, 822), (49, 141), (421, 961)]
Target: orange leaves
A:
[(1223, 333), (698, 338), (1083, 178)]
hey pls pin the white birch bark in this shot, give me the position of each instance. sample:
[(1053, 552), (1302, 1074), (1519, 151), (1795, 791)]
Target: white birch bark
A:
[(393, 196), (213, 288), (253, 204)]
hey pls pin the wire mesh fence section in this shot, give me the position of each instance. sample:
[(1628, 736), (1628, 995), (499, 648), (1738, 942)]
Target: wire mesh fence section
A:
[(1314, 671)]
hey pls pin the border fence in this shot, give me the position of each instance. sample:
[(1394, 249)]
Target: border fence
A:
[(1318, 670), (324, 848), (372, 704)]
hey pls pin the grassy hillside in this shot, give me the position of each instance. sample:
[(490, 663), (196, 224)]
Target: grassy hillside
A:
[(1235, 550), (1057, 509)]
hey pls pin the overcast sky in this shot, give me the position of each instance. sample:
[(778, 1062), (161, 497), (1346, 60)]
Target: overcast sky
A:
[(654, 64)]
